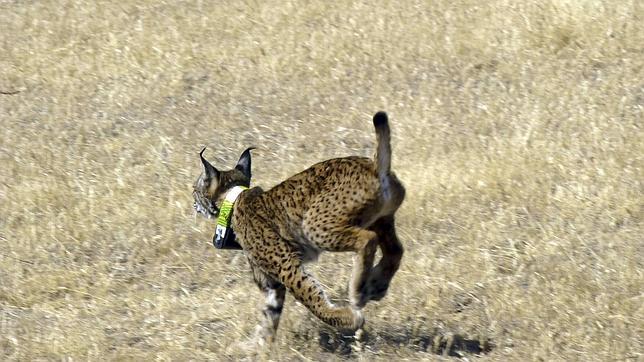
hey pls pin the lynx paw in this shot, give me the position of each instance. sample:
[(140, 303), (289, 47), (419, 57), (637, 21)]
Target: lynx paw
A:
[(358, 319), (374, 289)]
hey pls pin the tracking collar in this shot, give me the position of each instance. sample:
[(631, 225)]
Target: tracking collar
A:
[(224, 235)]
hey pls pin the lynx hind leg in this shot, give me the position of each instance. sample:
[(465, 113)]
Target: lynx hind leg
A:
[(362, 269), (342, 236), (338, 236), (274, 293), (392, 251), (308, 291)]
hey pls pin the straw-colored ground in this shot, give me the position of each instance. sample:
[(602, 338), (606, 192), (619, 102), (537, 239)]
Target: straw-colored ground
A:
[(517, 132)]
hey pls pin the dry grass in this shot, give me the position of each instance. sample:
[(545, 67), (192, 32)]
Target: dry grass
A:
[(517, 131)]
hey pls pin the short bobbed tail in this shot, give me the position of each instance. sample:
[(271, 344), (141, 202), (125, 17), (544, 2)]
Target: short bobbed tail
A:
[(383, 149), (383, 152)]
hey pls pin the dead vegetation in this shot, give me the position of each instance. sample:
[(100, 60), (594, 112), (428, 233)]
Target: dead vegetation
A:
[(517, 131)]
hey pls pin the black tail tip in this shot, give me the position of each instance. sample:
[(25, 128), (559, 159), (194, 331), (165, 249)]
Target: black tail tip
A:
[(380, 119)]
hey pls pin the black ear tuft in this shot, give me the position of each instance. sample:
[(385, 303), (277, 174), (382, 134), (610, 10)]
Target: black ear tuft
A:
[(243, 164), (209, 170)]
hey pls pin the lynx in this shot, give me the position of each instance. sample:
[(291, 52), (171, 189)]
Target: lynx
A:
[(342, 204)]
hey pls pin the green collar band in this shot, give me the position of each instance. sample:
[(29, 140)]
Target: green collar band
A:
[(226, 209)]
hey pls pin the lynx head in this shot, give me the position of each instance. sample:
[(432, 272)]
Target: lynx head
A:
[(212, 185)]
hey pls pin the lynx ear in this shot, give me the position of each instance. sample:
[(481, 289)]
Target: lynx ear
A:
[(209, 170), (243, 164)]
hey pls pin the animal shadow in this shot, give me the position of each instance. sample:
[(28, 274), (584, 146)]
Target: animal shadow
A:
[(445, 344)]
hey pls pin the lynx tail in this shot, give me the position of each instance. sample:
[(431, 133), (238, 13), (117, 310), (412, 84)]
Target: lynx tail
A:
[(383, 150)]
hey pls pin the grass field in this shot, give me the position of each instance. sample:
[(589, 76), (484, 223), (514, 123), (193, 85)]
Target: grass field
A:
[(517, 131)]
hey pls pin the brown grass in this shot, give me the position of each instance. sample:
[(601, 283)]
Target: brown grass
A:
[(517, 131)]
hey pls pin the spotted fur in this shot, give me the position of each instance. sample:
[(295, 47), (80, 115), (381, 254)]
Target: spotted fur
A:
[(342, 204)]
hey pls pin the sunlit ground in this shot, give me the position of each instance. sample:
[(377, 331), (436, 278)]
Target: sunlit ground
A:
[(517, 130)]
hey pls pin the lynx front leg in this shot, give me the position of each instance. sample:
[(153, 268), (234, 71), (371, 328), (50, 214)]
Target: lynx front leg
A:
[(278, 260), (274, 293), (307, 290)]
